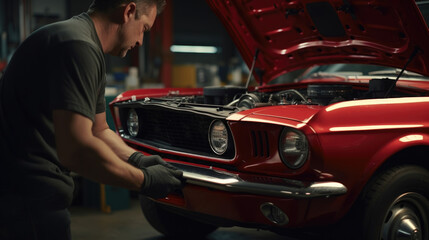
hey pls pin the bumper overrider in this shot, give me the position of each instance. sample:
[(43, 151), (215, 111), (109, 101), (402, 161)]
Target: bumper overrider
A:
[(207, 177)]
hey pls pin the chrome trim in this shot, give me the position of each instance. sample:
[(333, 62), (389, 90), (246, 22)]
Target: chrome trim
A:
[(132, 140), (207, 177)]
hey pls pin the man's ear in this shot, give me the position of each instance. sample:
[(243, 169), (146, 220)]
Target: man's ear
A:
[(130, 11)]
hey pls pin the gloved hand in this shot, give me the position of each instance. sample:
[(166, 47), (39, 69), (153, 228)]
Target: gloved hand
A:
[(160, 177), (139, 160), (159, 181)]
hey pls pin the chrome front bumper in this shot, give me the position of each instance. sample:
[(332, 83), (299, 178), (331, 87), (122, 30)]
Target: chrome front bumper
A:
[(228, 182)]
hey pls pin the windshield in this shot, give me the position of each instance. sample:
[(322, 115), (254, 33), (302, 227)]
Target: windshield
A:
[(345, 71)]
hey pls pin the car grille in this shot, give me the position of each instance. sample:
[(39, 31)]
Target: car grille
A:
[(176, 130)]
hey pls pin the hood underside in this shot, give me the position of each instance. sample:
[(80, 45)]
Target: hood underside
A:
[(294, 34)]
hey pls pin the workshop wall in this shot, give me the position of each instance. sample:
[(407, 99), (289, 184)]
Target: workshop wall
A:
[(9, 27), (194, 23), (47, 11), (2, 32)]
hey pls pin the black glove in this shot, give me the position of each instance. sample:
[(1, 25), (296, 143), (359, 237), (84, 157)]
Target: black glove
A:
[(159, 181), (160, 177), (139, 160)]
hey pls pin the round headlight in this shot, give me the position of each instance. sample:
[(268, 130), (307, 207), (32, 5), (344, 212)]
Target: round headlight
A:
[(133, 123), (218, 137), (293, 148)]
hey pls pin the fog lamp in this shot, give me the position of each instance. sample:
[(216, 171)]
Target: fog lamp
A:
[(274, 214)]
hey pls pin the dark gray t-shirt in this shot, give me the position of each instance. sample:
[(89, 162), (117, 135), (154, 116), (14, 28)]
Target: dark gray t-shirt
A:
[(60, 66)]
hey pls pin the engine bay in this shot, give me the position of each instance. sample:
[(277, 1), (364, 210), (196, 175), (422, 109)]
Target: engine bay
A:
[(233, 97)]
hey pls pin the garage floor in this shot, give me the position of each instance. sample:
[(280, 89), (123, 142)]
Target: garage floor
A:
[(130, 224)]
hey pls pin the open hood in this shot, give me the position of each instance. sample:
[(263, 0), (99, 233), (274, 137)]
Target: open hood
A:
[(294, 34)]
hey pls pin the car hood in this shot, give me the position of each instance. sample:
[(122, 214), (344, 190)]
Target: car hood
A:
[(290, 35), (278, 114)]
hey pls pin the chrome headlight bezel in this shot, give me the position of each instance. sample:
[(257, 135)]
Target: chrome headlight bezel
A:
[(133, 123), (293, 148), (218, 141)]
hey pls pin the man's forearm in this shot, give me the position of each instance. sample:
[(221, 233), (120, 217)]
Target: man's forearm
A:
[(118, 146), (81, 151), (95, 160)]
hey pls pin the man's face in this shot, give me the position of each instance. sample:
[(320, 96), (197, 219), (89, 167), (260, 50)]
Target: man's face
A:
[(132, 31)]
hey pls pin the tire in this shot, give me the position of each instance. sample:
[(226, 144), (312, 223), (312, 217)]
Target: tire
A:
[(171, 224), (395, 205)]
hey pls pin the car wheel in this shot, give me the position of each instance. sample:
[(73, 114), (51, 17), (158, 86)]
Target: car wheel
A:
[(171, 224), (395, 205)]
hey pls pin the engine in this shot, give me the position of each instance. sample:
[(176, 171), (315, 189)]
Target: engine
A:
[(313, 94)]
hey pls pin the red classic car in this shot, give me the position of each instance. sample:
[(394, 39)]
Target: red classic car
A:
[(334, 136)]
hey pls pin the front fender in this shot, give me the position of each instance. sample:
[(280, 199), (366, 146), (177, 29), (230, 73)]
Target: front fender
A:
[(393, 147), (357, 137)]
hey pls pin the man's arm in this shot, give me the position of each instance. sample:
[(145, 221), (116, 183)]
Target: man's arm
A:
[(81, 151), (101, 130)]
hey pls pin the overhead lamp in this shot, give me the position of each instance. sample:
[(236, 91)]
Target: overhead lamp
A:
[(193, 49)]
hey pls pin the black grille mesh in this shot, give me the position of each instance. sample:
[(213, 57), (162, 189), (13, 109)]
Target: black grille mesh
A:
[(177, 130)]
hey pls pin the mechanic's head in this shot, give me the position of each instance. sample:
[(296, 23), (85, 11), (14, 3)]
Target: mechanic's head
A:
[(131, 17)]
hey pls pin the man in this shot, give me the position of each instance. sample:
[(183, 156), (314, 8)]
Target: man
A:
[(52, 120)]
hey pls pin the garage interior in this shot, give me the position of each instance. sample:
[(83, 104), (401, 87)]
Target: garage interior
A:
[(341, 149), (160, 62), (106, 212)]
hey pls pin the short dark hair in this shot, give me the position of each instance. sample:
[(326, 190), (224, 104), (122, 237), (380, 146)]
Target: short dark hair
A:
[(106, 5)]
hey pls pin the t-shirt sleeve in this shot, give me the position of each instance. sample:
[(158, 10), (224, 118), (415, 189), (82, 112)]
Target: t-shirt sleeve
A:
[(101, 100), (77, 79)]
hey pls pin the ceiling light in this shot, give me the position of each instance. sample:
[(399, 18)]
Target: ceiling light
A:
[(193, 49)]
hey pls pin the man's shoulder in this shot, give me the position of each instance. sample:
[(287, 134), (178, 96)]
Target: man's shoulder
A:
[(76, 29)]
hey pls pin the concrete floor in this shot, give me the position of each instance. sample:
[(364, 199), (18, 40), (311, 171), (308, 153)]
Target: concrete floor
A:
[(130, 224)]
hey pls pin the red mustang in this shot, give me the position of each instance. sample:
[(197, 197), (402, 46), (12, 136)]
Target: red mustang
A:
[(334, 136)]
